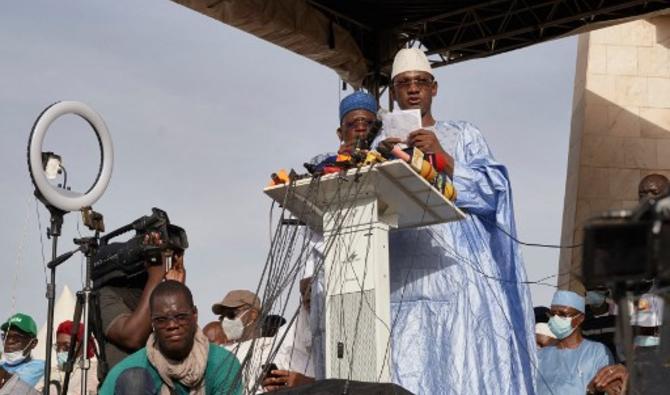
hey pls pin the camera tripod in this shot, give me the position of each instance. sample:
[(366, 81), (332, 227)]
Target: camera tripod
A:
[(86, 299)]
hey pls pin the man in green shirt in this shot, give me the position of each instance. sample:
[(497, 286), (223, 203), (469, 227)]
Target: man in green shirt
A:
[(178, 358)]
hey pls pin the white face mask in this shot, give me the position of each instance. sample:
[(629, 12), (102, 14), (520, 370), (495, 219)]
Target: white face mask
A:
[(13, 358), (61, 358), (234, 329)]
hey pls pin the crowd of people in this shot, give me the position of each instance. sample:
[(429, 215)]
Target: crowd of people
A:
[(457, 332), (180, 358), (176, 356), (576, 334), (573, 359)]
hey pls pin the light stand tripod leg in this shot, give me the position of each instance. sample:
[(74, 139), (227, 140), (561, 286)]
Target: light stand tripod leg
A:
[(72, 352), (95, 328), (51, 302), (89, 247), (96, 320), (85, 361), (53, 232)]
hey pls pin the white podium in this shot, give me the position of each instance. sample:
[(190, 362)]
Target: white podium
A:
[(354, 211)]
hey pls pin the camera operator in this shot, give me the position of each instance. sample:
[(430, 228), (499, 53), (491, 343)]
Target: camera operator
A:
[(124, 305)]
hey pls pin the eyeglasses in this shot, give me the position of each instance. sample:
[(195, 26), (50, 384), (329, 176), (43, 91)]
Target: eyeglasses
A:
[(162, 321), (420, 82), (359, 121), (62, 346), (563, 314)]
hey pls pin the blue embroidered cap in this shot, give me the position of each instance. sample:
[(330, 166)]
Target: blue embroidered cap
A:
[(570, 299), (358, 100)]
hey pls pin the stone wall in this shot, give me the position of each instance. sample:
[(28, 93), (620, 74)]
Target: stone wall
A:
[(620, 126)]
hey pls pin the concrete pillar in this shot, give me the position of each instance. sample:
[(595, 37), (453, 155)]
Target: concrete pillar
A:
[(620, 126)]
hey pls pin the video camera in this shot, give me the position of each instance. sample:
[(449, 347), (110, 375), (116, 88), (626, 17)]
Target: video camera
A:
[(629, 252), (126, 260), (628, 248)]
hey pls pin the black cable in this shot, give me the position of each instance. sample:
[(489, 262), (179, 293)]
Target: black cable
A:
[(402, 295), (284, 246), (266, 270), (466, 260), (497, 299), (362, 292), (508, 234), (278, 264), (343, 214), (275, 284)]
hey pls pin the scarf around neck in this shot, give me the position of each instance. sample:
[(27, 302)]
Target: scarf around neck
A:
[(189, 372)]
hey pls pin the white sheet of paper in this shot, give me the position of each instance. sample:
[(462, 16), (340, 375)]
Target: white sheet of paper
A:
[(401, 123)]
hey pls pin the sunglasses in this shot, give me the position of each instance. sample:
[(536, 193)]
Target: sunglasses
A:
[(231, 313)]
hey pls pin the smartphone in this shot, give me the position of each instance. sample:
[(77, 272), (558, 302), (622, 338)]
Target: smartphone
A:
[(268, 368)]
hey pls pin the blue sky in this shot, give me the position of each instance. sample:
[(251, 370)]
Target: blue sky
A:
[(202, 113)]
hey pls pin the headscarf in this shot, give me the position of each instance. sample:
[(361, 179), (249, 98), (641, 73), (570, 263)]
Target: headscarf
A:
[(65, 327)]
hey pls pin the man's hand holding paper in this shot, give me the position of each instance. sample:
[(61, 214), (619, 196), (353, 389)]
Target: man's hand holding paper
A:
[(401, 123)]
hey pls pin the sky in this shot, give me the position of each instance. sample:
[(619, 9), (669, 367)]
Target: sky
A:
[(201, 113)]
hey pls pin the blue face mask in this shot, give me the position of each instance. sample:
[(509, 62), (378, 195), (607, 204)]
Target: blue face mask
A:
[(61, 358), (595, 298), (561, 327), (647, 341)]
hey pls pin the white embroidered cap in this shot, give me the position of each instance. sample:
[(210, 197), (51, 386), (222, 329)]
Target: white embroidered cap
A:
[(410, 59)]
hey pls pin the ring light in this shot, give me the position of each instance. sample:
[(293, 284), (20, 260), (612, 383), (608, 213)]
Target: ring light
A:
[(64, 199)]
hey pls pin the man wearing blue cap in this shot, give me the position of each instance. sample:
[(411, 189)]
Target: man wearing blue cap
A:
[(568, 367), (358, 113)]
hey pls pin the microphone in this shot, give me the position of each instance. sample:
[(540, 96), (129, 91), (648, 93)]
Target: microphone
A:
[(61, 259)]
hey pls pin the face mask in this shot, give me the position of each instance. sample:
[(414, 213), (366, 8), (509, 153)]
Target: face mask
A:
[(61, 358), (647, 341), (234, 329), (13, 358), (561, 327), (595, 299)]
